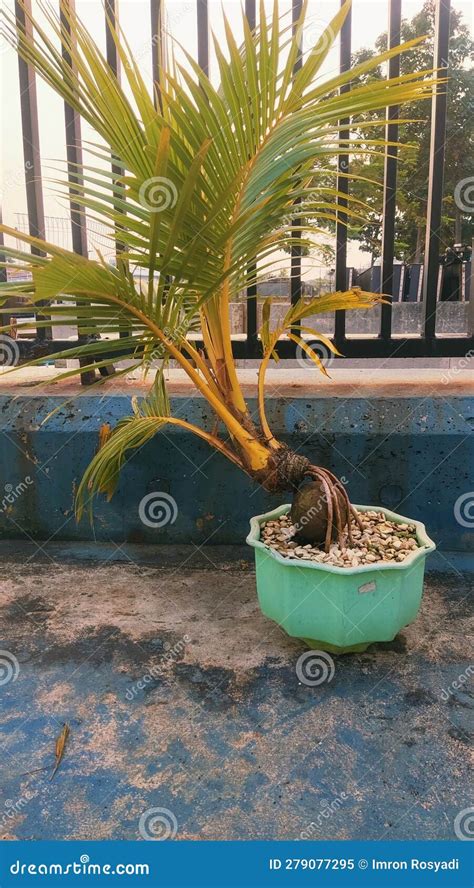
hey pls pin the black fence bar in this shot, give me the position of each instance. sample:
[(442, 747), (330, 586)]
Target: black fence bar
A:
[(3, 271), (111, 19), (72, 122), (435, 182), (251, 13), (390, 176), (295, 261), (470, 286), (342, 185), (202, 9), (113, 61), (386, 344), (251, 324), (31, 141), (156, 14), (4, 317), (354, 347)]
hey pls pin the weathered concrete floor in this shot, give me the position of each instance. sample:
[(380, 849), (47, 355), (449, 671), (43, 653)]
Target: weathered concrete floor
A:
[(224, 736)]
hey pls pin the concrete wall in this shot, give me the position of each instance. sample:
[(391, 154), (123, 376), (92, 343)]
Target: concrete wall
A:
[(413, 454)]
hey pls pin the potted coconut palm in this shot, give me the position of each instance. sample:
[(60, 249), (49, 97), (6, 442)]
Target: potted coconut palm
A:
[(211, 177)]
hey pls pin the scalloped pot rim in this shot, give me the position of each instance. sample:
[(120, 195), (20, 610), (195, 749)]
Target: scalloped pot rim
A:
[(426, 544)]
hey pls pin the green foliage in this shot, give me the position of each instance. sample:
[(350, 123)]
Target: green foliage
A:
[(413, 168)]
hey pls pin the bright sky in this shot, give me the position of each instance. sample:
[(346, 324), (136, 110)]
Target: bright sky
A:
[(369, 20)]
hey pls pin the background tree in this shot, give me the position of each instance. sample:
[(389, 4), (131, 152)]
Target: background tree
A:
[(413, 167)]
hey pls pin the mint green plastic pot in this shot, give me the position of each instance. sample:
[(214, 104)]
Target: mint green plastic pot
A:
[(339, 609)]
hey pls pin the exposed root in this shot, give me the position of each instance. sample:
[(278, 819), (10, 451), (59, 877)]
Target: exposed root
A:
[(331, 486), (289, 469), (353, 511)]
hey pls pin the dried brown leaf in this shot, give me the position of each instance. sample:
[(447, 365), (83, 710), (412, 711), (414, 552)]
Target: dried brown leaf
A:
[(60, 746)]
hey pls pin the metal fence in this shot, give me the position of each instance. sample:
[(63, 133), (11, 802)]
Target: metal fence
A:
[(384, 343)]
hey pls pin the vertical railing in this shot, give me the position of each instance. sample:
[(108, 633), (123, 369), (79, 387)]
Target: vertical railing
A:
[(382, 345), (202, 10), (435, 182), (113, 61), (251, 302), (342, 186), (295, 252), (4, 319), (72, 122), (156, 21), (390, 176), (31, 141), (111, 9)]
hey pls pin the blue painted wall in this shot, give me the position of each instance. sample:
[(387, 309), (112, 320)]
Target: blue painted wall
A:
[(411, 454)]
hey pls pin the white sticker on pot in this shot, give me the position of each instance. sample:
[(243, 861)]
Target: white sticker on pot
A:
[(367, 587)]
